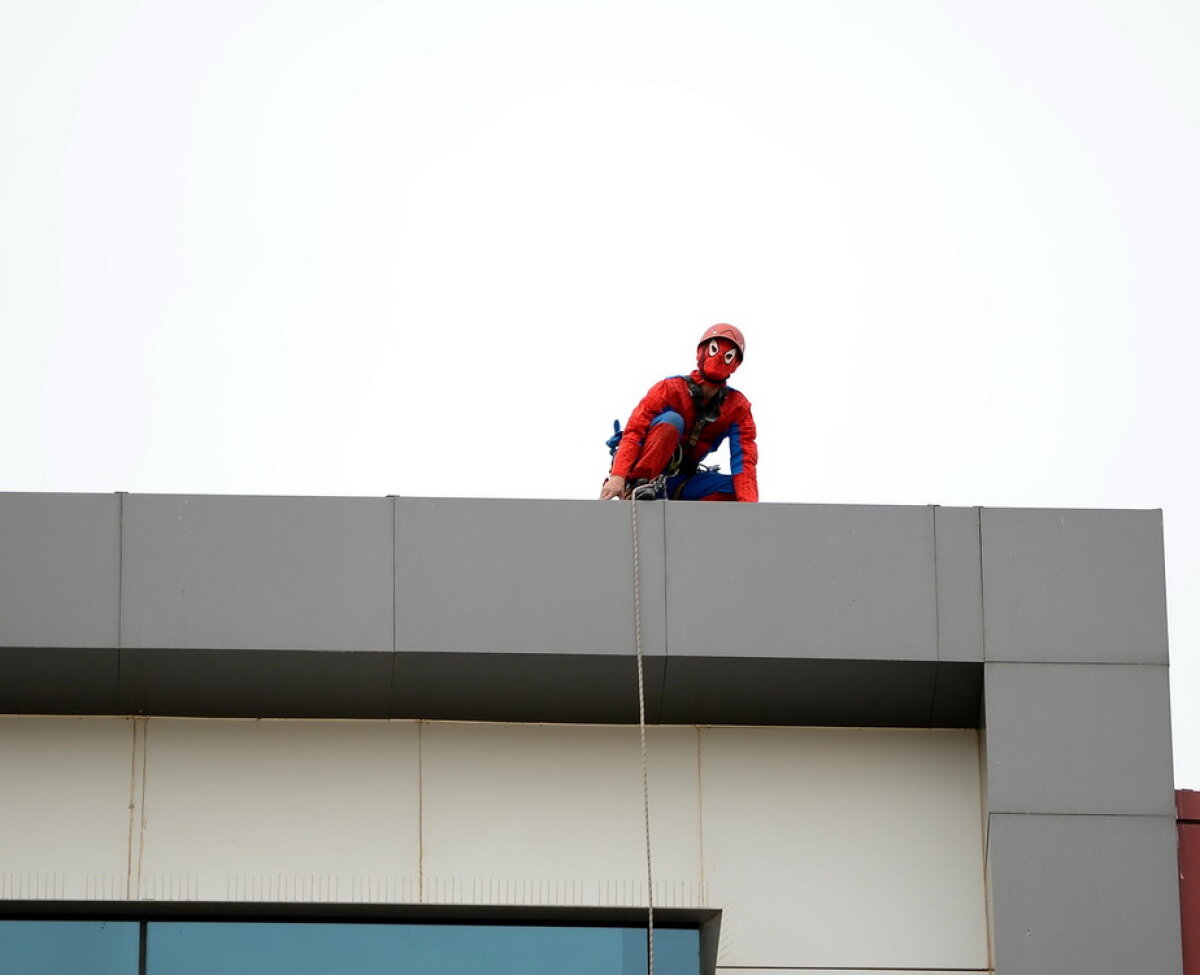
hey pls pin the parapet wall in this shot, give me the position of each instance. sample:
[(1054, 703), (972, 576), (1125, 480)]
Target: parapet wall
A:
[(501, 610)]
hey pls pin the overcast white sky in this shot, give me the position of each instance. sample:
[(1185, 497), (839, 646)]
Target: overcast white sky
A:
[(434, 249)]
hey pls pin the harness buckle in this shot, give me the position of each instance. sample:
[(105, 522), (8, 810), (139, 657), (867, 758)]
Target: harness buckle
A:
[(649, 490)]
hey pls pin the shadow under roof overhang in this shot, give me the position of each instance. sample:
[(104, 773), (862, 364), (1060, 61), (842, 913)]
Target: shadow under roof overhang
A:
[(492, 686)]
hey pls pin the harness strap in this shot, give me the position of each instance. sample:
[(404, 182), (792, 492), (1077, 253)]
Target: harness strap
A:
[(706, 412)]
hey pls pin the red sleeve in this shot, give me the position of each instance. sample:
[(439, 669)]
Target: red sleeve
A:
[(743, 452), (656, 400)]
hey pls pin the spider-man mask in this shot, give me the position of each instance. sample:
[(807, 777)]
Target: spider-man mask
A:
[(717, 359)]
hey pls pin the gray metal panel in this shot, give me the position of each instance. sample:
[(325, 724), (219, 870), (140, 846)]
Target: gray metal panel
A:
[(1074, 586), (59, 570), (525, 576), (50, 680), (959, 584), (256, 683), (1084, 895), (257, 573), (822, 581), (1082, 738)]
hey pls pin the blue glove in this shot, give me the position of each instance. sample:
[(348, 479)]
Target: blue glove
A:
[(612, 442)]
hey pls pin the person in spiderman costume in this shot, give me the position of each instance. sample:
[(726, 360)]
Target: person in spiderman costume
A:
[(694, 413)]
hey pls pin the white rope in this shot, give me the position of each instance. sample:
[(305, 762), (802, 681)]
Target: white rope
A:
[(637, 634)]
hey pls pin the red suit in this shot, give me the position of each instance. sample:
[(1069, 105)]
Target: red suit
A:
[(666, 418)]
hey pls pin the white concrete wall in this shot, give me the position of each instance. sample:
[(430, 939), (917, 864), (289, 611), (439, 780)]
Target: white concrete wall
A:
[(824, 848)]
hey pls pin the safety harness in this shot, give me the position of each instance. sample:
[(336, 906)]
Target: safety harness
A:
[(706, 412)]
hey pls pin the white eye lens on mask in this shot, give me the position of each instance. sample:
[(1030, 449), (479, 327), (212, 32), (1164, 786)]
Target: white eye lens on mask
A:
[(729, 356), (713, 348)]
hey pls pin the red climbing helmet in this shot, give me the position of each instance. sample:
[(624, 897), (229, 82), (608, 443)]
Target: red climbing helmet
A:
[(725, 331)]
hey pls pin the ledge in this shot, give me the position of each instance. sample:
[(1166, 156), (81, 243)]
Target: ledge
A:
[(523, 610)]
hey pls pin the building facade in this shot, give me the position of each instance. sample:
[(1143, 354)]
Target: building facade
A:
[(397, 731)]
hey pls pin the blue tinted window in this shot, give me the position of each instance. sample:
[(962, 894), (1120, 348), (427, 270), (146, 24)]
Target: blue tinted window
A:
[(204, 948), (68, 947)]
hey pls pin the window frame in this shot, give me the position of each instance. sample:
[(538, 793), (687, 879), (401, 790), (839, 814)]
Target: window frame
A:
[(706, 921)]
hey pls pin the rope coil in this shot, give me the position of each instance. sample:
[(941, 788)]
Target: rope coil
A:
[(641, 680)]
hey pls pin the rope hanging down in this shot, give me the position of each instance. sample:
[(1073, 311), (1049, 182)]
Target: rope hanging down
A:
[(641, 680)]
